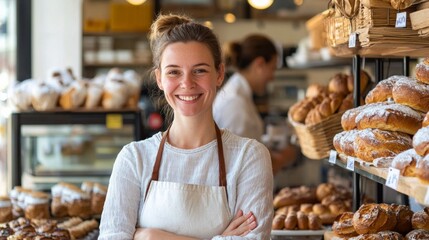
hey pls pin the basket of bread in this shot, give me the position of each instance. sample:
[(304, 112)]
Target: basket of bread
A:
[(317, 118)]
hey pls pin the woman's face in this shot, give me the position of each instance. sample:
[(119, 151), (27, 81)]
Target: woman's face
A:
[(188, 77), (265, 74)]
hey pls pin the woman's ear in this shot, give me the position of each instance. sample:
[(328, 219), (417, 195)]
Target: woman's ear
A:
[(221, 75), (158, 78)]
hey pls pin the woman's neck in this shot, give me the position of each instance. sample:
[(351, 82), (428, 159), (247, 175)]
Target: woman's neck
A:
[(191, 133)]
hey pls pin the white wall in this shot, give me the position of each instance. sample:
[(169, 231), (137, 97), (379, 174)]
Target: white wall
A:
[(56, 32)]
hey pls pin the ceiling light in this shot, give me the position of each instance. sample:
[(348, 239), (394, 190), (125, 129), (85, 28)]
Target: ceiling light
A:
[(136, 2), (229, 18), (260, 4), (298, 2)]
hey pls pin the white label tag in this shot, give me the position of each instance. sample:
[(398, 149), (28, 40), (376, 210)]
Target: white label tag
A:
[(427, 197), (333, 156), (351, 163), (352, 40), (393, 178), (401, 20)]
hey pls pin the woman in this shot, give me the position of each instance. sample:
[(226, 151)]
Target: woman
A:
[(187, 182), (255, 61)]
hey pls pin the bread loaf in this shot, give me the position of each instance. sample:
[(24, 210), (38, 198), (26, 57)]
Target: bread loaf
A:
[(364, 80), (299, 111), (406, 162), (278, 222), (375, 143), (420, 220), (401, 4), (411, 93), (403, 218), (302, 220), (426, 120), (315, 89), (422, 170), (291, 221), (422, 71), (417, 234), (369, 218), (421, 141), (314, 222), (390, 235), (343, 225), (338, 84), (344, 142), (326, 108), (348, 119), (5, 209), (383, 90), (324, 189), (390, 117), (74, 95)]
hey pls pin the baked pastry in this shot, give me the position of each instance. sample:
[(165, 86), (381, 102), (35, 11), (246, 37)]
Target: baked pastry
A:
[(58, 208), (82, 229), (406, 162), (367, 236), (337, 208), (383, 90), (422, 71), (19, 95), (417, 234), (315, 89), (73, 221), (93, 95), (291, 221), (375, 143), (370, 218), (77, 201), (343, 225), (422, 170), (383, 162), (348, 119), (338, 84), (60, 78), (5, 209), (115, 93), (37, 205), (421, 141), (294, 196), (420, 220), (324, 189), (390, 235), (344, 142), (302, 220), (425, 122), (403, 218), (299, 110), (320, 209), (411, 93), (98, 197), (390, 117), (133, 80), (314, 222), (43, 97), (364, 80), (74, 95), (391, 221), (326, 108), (278, 222), (306, 207), (17, 197)]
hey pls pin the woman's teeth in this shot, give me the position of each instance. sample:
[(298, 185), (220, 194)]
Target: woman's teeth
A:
[(188, 98)]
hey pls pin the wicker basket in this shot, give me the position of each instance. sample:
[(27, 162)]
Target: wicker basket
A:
[(338, 29), (316, 140)]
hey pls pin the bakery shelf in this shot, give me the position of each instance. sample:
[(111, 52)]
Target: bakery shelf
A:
[(410, 186), (117, 64)]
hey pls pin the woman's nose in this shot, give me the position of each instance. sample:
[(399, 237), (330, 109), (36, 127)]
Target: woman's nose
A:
[(187, 81)]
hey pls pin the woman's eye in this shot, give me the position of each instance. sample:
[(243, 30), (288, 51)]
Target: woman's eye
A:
[(172, 72), (199, 71)]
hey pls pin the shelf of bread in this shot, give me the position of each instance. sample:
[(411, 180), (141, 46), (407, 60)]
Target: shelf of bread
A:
[(308, 211), (62, 91), (381, 221), (69, 212), (317, 118)]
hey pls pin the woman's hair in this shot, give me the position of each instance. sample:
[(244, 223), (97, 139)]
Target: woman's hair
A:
[(241, 54), (172, 28)]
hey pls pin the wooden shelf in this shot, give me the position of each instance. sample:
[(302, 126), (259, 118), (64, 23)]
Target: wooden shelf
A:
[(410, 186)]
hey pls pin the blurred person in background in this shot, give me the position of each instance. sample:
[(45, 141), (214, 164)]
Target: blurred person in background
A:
[(254, 62)]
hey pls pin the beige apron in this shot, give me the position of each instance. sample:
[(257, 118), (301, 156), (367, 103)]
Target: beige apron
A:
[(190, 210)]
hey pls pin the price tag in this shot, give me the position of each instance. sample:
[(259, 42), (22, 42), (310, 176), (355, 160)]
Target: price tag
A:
[(427, 197), (333, 156), (350, 163), (393, 178), (401, 20), (352, 40), (114, 121)]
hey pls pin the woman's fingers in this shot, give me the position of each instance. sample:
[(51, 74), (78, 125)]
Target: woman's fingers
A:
[(241, 224)]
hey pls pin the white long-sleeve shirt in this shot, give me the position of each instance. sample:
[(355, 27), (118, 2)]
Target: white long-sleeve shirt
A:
[(249, 181), (235, 110)]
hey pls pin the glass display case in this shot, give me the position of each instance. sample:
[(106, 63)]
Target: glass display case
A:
[(48, 147)]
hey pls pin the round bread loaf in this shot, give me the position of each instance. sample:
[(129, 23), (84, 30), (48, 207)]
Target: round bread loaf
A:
[(369, 218), (390, 235), (417, 234), (425, 122), (421, 141), (411, 93), (364, 79), (338, 84), (343, 225), (348, 118), (375, 143), (344, 142), (422, 71), (422, 170), (403, 218), (300, 110), (391, 221), (420, 220), (406, 162), (291, 221), (324, 189), (302, 220), (278, 222), (390, 117), (383, 90), (314, 222)]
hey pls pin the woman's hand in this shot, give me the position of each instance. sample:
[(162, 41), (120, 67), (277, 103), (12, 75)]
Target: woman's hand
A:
[(156, 234), (241, 224)]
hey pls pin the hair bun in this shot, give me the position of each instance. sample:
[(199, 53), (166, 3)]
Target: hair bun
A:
[(166, 22)]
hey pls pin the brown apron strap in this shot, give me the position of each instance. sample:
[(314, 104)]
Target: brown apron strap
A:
[(222, 169)]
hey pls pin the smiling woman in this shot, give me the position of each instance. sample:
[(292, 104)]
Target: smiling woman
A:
[(194, 181)]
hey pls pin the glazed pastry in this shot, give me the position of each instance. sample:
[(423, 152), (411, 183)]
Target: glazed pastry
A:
[(133, 80), (115, 93), (58, 208), (422, 170), (77, 201), (44, 97), (37, 205)]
